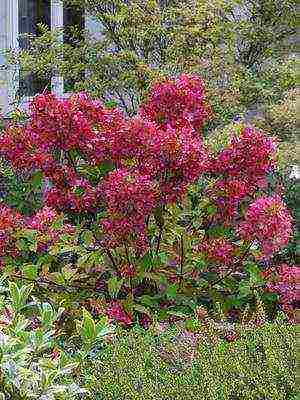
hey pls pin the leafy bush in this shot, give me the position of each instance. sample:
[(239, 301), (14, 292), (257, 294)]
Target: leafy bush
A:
[(202, 358), (280, 118), (33, 363), (140, 216), (138, 41), (175, 364)]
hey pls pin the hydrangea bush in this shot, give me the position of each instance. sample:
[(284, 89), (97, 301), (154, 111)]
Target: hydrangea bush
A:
[(145, 217)]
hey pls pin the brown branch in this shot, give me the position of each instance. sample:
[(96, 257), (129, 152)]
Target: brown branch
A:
[(181, 258), (42, 282), (239, 262)]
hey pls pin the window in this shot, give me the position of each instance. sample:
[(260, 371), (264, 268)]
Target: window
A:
[(22, 17), (73, 21), (31, 13), (52, 14)]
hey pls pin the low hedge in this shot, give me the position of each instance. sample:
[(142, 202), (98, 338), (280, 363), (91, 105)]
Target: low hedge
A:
[(259, 364)]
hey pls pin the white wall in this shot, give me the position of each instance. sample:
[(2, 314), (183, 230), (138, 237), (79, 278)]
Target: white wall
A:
[(8, 39), (3, 45)]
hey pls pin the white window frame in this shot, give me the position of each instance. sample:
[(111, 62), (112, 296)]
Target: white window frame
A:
[(12, 76)]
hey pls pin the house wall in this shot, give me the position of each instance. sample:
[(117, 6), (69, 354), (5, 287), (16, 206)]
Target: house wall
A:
[(3, 45), (8, 40)]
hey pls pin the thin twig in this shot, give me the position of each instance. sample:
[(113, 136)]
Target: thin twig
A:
[(235, 265), (42, 282), (181, 258)]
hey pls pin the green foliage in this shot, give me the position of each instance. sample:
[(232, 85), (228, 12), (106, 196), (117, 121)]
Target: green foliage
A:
[(267, 28), (33, 363), (280, 119), (91, 332), (174, 364), (143, 40), (40, 361), (20, 190)]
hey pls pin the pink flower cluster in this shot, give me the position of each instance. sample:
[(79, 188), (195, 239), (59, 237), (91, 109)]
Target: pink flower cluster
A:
[(78, 196), (250, 155), (153, 158), (174, 157), (130, 198), (116, 312), (267, 222), (12, 222), (227, 195), (243, 165), (43, 222), (218, 251), (42, 219), (178, 103), (287, 285)]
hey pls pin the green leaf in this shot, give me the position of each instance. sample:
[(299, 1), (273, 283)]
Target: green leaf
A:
[(22, 245), (68, 273), (192, 325), (200, 264), (219, 231), (171, 291), (114, 285), (149, 300), (244, 289), (88, 328), (270, 297), (30, 271), (79, 191), (47, 314), (37, 180), (111, 104), (211, 210), (163, 257), (19, 296), (105, 167), (146, 262), (88, 237), (255, 273), (223, 346), (141, 309)]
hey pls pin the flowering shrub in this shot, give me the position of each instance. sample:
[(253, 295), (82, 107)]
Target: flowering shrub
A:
[(286, 285), (269, 223), (142, 214)]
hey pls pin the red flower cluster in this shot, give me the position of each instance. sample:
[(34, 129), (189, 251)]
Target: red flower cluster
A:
[(43, 222), (42, 219), (78, 196), (269, 223), (130, 198), (153, 158), (116, 312), (250, 155), (10, 221), (178, 103), (244, 165), (227, 195), (219, 251), (287, 285), (174, 157)]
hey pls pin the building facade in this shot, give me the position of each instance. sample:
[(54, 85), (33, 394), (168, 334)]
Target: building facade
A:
[(19, 17)]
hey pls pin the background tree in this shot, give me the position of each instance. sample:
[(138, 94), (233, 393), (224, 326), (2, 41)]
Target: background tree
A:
[(138, 41)]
